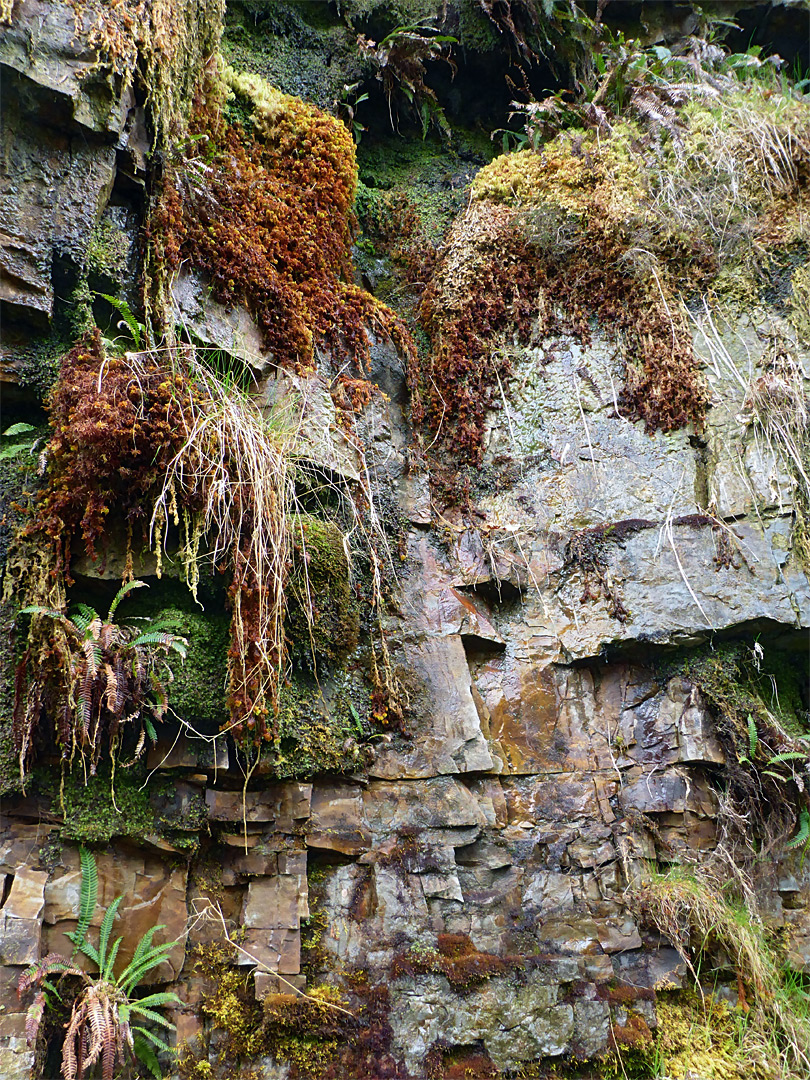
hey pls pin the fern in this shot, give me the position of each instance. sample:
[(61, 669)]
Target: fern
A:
[(793, 755), (136, 329), (122, 592), (105, 967), (88, 897), (158, 637), (803, 835), (753, 735), (36, 609), (99, 1026), (145, 1054)]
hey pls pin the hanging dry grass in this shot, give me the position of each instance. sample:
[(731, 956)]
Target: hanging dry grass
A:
[(238, 473), (693, 913)]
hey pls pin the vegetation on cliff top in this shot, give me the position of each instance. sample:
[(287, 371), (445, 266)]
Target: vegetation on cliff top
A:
[(666, 191)]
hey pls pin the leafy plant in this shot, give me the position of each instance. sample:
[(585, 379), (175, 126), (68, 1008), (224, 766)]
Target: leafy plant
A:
[(13, 432), (107, 1020), (128, 322), (803, 835), (109, 680), (694, 914), (399, 60)]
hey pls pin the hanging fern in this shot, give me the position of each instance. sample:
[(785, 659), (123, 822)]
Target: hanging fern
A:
[(753, 735), (803, 835), (111, 679)]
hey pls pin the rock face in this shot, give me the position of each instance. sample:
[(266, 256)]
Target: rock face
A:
[(475, 868)]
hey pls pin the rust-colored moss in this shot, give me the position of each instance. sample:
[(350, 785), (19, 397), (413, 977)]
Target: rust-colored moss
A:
[(112, 438), (560, 257), (444, 1062), (455, 957), (266, 214)]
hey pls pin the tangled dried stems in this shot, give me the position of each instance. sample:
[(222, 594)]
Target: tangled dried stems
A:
[(741, 163), (237, 473), (157, 429)]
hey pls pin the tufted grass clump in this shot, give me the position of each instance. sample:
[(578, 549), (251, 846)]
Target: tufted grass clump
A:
[(701, 923)]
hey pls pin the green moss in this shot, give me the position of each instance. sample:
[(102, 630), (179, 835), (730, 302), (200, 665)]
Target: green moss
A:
[(739, 681), (323, 619), (197, 689), (320, 729), (93, 815), (108, 251), (279, 42), (433, 176)]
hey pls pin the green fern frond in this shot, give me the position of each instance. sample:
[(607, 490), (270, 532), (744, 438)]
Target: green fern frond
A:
[(753, 735), (134, 973), (147, 1056), (86, 947), (122, 592), (150, 1014), (88, 897), (37, 609), (111, 958), (150, 1035), (159, 637), (104, 936), (160, 997), (136, 329), (803, 835), (82, 615), (793, 755)]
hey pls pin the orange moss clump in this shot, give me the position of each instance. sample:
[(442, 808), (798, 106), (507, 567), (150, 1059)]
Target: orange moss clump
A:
[(114, 432), (266, 214), (552, 243), (457, 959)]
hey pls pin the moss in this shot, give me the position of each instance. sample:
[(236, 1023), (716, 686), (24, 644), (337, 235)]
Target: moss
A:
[(197, 689), (230, 1010), (305, 1030), (323, 618), (280, 237), (279, 42), (457, 959), (738, 681), (108, 251), (702, 1037), (93, 815), (321, 728)]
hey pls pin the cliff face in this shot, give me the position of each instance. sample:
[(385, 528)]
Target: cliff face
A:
[(491, 732)]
